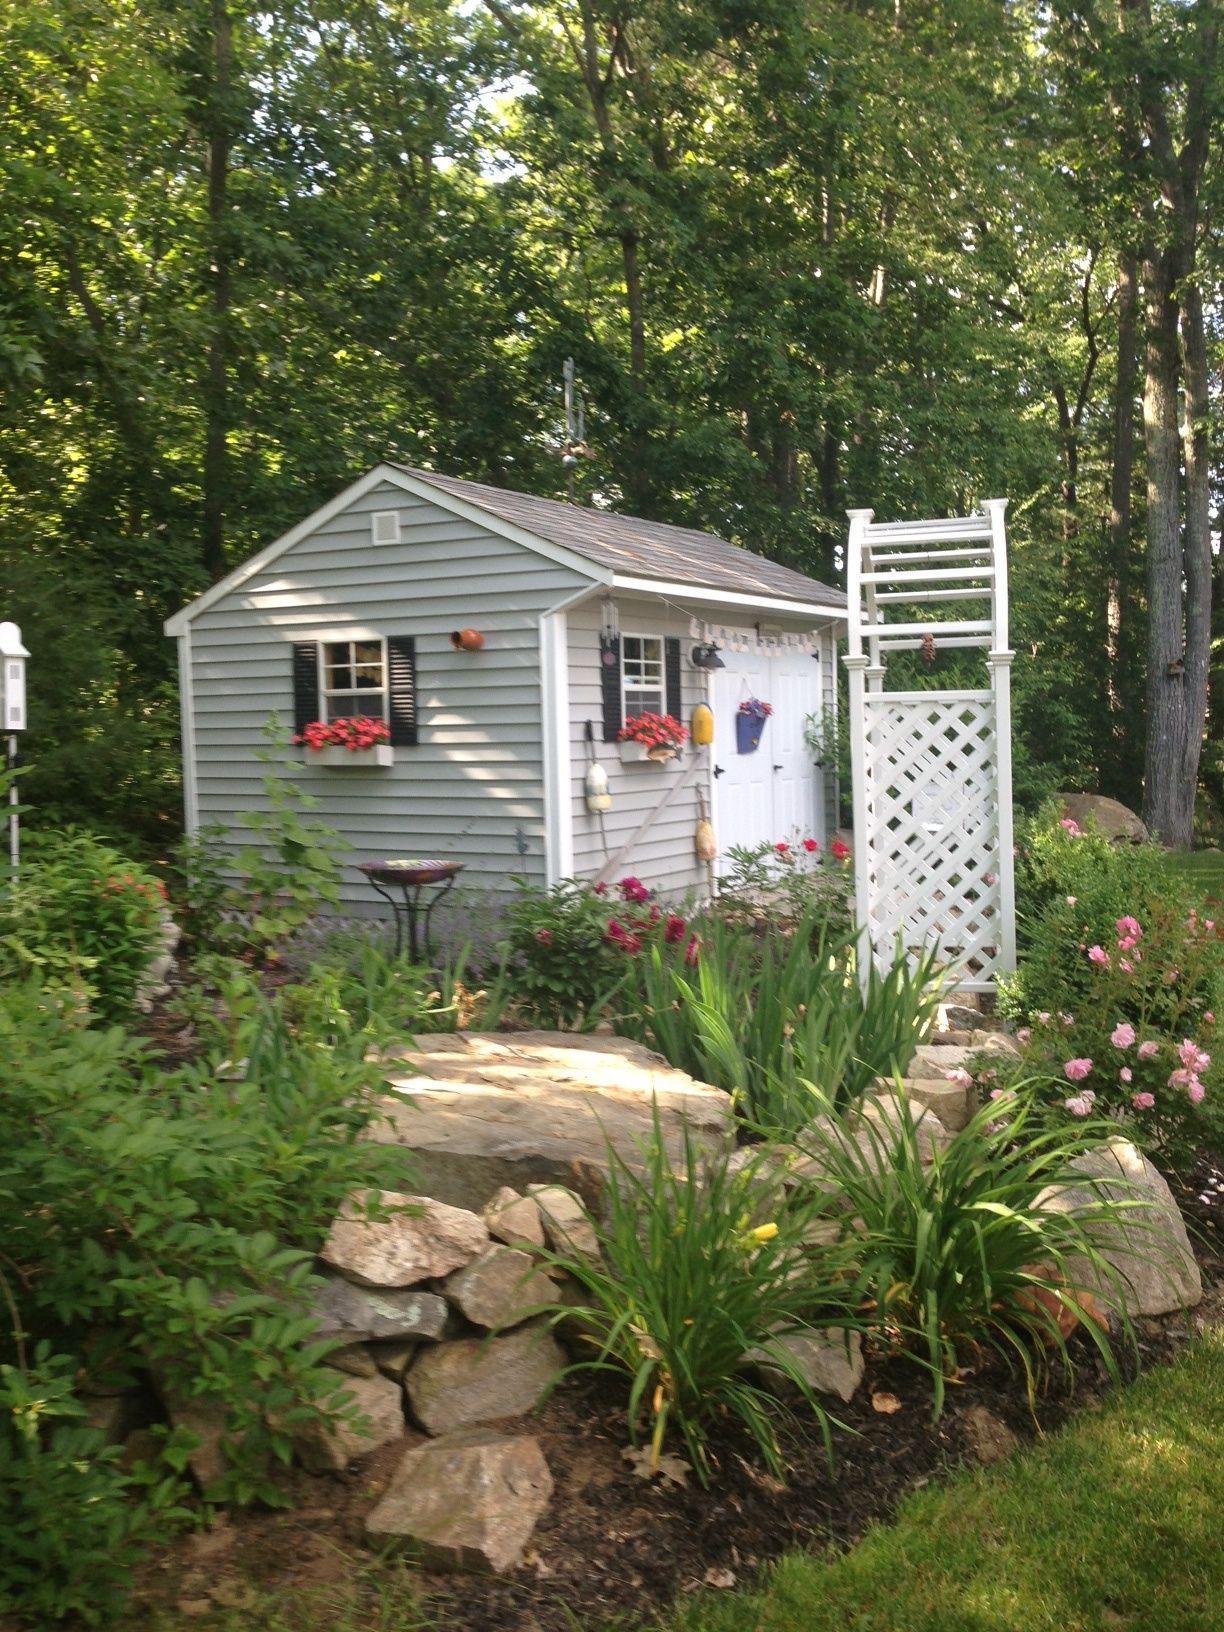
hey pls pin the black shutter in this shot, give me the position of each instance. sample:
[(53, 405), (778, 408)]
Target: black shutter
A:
[(610, 685), (671, 678), (402, 691), (305, 684)]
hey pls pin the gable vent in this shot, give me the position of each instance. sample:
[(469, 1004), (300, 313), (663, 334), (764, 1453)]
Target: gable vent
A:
[(385, 526)]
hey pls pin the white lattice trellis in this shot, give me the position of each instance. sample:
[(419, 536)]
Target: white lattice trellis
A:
[(932, 768)]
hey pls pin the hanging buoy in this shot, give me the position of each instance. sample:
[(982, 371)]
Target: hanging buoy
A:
[(596, 788), (701, 725), (704, 842)]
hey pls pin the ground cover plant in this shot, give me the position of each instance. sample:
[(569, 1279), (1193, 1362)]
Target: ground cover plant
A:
[(1113, 1523)]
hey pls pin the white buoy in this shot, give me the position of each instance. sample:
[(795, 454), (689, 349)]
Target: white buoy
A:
[(596, 787)]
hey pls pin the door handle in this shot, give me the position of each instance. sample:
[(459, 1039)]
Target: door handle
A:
[(777, 767), (719, 770)]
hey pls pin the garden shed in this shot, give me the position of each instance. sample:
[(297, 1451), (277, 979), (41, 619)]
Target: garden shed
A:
[(505, 640)]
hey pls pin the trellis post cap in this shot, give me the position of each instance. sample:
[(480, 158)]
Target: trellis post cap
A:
[(1000, 660), (10, 641), (995, 504), (867, 515), (856, 661)]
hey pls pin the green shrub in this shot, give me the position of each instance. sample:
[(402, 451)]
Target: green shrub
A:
[(957, 1255), (1072, 888), (82, 918), (569, 952), (780, 1020), (179, 1213), (73, 1521), (355, 983), (705, 1268)]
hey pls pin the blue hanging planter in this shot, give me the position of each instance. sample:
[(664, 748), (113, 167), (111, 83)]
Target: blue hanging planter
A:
[(749, 729)]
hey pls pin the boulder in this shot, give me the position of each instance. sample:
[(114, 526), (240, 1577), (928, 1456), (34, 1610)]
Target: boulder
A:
[(501, 1288), (477, 1380), (886, 1110), (996, 1045), (468, 1501), (359, 1314), (406, 1247), (379, 1401), (990, 1439), (829, 1362), (514, 1219), (567, 1227), (951, 1102), (1116, 821), (1147, 1245), (477, 1112)]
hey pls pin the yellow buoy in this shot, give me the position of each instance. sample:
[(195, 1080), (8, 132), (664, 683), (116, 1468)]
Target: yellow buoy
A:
[(701, 726)]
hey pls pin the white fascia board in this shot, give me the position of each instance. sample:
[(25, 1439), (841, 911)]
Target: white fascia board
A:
[(726, 597), (356, 490)]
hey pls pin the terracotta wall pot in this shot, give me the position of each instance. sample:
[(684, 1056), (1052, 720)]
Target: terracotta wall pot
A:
[(466, 640)]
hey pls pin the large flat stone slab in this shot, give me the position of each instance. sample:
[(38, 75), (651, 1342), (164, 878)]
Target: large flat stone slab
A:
[(479, 1111), (468, 1501)]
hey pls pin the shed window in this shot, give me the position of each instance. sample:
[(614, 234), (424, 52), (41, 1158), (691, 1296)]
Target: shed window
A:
[(642, 674), (353, 679)]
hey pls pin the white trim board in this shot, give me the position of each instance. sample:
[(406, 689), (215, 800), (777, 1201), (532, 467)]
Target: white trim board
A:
[(667, 588)]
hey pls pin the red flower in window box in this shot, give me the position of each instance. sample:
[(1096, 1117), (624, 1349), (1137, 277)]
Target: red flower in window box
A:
[(354, 733), (660, 734)]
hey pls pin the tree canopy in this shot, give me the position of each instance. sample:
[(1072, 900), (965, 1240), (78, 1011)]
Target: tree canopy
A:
[(806, 255)]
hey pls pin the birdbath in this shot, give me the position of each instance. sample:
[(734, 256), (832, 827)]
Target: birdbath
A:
[(411, 877)]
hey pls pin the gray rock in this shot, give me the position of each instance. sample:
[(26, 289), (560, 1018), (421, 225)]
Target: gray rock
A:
[(469, 1501), (501, 1288), (405, 1248), (476, 1112), (567, 1228), (514, 1219), (829, 1362), (952, 1102), (1146, 1245), (393, 1359), (990, 1439), (354, 1360), (359, 1314), (886, 1111), (997, 1045), (379, 1401), (476, 1380), (1115, 820)]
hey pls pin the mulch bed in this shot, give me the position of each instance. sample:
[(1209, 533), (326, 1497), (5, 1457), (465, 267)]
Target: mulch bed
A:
[(615, 1548)]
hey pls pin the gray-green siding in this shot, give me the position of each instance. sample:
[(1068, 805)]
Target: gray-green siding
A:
[(473, 787)]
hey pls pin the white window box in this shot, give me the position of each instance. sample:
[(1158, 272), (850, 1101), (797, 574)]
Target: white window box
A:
[(637, 753), (352, 759)]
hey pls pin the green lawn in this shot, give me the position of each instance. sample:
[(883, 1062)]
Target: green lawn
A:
[(1115, 1525), (1203, 871)]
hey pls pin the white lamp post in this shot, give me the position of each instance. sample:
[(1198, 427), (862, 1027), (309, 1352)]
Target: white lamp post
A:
[(12, 713)]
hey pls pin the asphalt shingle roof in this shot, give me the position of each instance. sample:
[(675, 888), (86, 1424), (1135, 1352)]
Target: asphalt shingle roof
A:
[(640, 549)]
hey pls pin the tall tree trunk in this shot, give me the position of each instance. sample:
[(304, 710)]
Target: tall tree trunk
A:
[(1197, 561), (218, 131), (1123, 701), (1165, 808)]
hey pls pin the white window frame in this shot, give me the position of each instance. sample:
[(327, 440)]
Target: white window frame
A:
[(630, 709), (381, 693)]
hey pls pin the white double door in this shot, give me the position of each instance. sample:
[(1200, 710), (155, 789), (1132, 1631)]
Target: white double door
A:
[(774, 792)]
